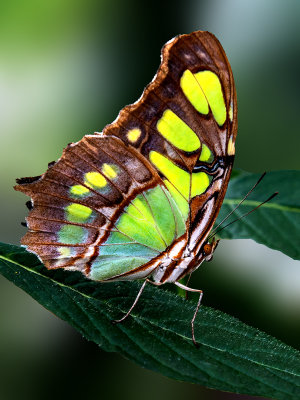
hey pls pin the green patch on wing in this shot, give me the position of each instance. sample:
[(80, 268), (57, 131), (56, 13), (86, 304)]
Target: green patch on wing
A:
[(72, 234), (119, 255), (181, 184), (168, 218), (147, 226)]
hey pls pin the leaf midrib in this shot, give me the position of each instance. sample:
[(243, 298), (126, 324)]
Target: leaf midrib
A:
[(137, 318)]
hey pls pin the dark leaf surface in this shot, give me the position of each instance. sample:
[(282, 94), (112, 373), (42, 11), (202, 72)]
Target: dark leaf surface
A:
[(232, 356), (276, 224)]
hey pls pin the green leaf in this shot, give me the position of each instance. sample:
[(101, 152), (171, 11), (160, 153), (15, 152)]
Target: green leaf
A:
[(232, 356), (276, 224)]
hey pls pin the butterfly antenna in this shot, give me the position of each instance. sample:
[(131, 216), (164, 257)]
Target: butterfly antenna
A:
[(249, 212), (232, 211)]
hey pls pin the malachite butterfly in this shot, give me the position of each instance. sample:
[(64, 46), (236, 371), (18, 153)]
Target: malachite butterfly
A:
[(138, 200)]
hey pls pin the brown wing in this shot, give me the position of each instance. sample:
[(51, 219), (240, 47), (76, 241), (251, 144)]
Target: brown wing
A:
[(82, 195)]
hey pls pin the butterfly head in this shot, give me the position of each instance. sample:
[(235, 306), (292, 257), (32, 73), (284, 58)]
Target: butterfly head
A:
[(208, 249)]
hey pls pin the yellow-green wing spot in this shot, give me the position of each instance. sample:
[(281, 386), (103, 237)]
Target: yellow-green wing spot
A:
[(94, 180), (64, 251), (180, 178), (192, 90), (211, 86), (133, 135), (110, 170), (206, 155), (78, 213), (72, 234), (200, 182), (177, 132), (79, 191)]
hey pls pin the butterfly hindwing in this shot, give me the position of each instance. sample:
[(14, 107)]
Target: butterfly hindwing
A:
[(100, 195), (115, 201)]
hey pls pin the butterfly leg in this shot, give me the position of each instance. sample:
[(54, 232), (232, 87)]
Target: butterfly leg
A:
[(187, 282), (188, 289), (117, 321)]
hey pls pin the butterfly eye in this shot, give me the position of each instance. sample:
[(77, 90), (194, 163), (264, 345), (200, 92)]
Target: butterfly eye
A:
[(207, 249)]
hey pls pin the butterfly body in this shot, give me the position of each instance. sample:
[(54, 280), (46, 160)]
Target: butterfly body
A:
[(140, 198)]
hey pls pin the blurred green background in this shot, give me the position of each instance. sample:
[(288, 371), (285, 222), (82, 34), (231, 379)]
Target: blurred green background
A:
[(66, 69)]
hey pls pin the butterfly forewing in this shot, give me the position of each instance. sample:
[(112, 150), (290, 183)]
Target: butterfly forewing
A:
[(115, 203)]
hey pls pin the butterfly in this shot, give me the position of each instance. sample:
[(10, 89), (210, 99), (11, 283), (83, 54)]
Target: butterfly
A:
[(138, 201)]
